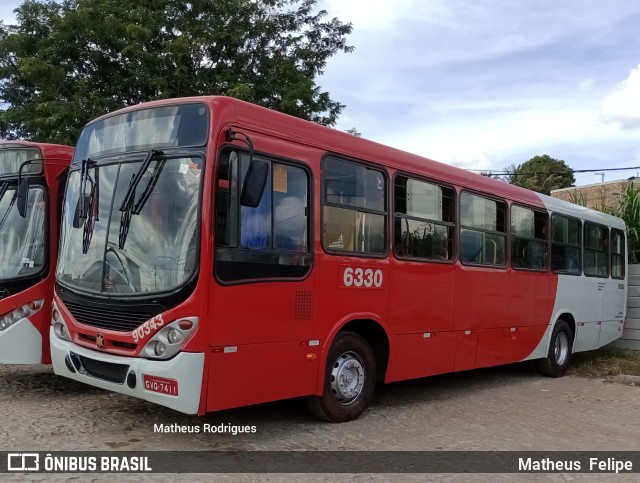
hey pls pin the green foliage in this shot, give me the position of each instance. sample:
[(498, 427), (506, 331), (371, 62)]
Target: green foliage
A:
[(578, 198), (65, 63), (629, 210), (541, 174), (605, 362)]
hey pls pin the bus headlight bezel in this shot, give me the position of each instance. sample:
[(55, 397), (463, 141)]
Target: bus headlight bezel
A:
[(172, 337), (16, 315)]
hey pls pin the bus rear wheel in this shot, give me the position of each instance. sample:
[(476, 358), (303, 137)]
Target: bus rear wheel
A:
[(349, 381), (559, 357)]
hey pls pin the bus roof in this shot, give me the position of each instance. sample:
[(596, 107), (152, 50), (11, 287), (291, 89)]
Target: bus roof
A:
[(48, 150)]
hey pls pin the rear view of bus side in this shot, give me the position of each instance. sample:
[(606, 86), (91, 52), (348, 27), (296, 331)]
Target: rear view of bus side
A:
[(233, 255), (32, 177)]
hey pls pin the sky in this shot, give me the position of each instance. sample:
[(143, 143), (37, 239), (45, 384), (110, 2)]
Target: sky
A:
[(486, 84)]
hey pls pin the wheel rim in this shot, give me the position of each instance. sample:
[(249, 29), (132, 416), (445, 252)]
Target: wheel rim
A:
[(562, 348), (347, 378)]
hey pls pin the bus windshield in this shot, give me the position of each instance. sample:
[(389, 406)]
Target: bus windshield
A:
[(147, 246), (22, 240)]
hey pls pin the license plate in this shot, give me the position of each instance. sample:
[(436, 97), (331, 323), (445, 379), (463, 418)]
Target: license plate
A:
[(161, 385)]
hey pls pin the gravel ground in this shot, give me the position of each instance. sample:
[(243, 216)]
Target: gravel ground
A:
[(495, 409)]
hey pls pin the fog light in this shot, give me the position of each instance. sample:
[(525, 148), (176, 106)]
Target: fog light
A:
[(160, 349), (173, 336)]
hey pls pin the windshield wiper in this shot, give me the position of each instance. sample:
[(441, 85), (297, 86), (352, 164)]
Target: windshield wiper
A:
[(3, 189), (129, 206), (88, 205)]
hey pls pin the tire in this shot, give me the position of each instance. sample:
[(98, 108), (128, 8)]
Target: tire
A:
[(352, 362), (559, 357)]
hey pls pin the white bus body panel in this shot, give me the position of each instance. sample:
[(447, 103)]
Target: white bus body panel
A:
[(21, 343), (598, 305)]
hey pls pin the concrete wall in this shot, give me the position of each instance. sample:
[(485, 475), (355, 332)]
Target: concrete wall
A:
[(595, 196), (631, 335)]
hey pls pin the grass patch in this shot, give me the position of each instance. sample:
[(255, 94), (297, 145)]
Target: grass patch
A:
[(605, 362)]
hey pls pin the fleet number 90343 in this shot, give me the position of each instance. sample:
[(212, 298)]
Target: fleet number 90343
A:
[(362, 277)]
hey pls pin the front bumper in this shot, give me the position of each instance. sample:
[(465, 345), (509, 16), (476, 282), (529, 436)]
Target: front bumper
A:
[(105, 370), (21, 344)]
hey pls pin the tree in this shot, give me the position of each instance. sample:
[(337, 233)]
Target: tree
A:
[(541, 174), (65, 63)]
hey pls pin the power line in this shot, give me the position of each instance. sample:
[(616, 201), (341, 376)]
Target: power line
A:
[(529, 173)]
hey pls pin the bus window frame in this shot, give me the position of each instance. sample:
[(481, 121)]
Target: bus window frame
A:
[(380, 168), (454, 224), (506, 233), (607, 251), (580, 247), (39, 181), (226, 149), (612, 230), (547, 238)]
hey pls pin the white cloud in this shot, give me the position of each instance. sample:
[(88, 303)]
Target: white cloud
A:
[(367, 14), (622, 105)]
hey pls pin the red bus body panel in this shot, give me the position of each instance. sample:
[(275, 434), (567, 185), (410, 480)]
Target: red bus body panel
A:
[(57, 159)]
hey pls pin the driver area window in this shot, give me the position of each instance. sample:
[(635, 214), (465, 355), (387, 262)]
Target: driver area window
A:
[(268, 241)]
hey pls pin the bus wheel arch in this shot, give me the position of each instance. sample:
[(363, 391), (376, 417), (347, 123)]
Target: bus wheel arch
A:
[(358, 349), (560, 350), (377, 337)]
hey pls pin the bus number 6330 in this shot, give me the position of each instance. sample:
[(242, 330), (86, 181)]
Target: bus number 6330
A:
[(362, 277)]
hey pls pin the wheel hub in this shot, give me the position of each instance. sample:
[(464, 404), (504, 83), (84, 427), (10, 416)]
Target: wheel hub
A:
[(347, 378)]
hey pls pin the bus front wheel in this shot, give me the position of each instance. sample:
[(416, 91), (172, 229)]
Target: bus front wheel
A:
[(349, 380), (557, 361)]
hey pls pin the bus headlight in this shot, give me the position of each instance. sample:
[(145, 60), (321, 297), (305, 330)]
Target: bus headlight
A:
[(59, 327), (61, 331), (27, 310), (170, 339), (159, 349), (173, 336)]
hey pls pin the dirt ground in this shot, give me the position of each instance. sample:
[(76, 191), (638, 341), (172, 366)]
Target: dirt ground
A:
[(496, 409)]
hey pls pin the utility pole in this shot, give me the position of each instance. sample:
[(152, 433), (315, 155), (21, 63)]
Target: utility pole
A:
[(603, 193)]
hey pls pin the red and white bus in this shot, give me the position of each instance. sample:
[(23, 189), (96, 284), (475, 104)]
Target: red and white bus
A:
[(32, 177), (234, 255)]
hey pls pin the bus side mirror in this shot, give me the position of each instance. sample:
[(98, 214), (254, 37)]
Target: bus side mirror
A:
[(254, 183), (22, 197)]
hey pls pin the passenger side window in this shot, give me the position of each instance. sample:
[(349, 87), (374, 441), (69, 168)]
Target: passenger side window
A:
[(483, 230), (424, 224), (354, 211), (528, 239), (565, 245), (617, 254), (270, 240), (596, 250)]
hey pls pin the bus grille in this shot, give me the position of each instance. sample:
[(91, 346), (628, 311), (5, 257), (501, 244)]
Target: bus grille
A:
[(106, 371), (108, 318)]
